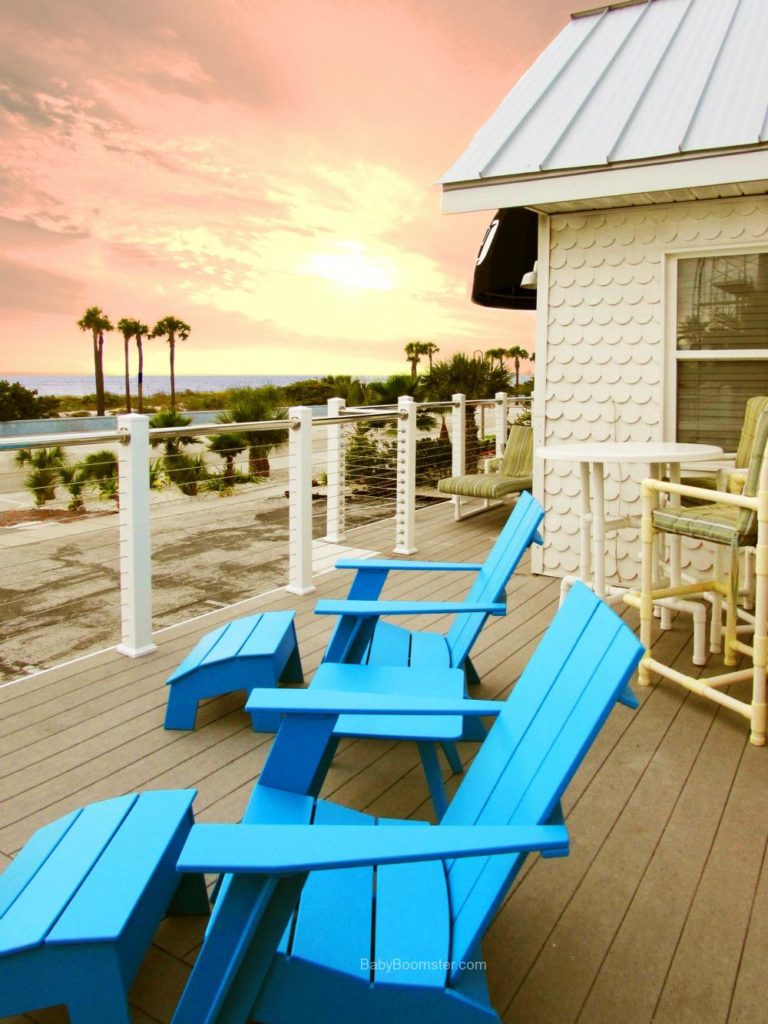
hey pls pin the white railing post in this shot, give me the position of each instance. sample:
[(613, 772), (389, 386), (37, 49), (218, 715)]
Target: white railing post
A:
[(335, 528), (458, 445), (501, 421), (135, 542), (300, 501), (405, 502)]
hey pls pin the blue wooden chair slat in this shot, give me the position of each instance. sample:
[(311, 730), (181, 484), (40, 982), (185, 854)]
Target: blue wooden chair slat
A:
[(232, 639), (389, 646), (201, 651), (264, 640), (317, 936), (35, 911), (413, 922), (516, 782), (154, 824), (494, 576), (30, 859)]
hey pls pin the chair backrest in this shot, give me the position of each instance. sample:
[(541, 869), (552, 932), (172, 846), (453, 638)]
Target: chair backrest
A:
[(580, 667), (746, 527), (517, 459), (755, 407), (502, 560)]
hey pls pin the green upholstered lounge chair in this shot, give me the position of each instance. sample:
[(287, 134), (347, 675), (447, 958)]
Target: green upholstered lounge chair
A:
[(510, 474)]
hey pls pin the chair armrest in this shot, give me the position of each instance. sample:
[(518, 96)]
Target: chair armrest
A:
[(343, 702), (377, 564), (374, 609), (293, 849)]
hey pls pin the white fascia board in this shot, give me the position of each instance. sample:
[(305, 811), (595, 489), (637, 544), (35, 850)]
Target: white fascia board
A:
[(724, 169)]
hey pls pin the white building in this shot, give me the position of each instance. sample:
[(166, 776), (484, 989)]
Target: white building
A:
[(640, 138)]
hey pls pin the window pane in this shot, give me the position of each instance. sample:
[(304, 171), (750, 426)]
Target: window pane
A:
[(722, 302), (711, 396)]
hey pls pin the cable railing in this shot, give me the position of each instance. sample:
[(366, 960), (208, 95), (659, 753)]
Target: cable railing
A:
[(145, 527)]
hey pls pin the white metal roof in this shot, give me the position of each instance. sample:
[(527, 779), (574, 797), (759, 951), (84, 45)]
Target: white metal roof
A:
[(640, 81)]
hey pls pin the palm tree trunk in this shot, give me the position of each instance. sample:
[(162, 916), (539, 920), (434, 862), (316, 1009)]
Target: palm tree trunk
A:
[(141, 375), (127, 377), (171, 342), (99, 357), (517, 374), (471, 446)]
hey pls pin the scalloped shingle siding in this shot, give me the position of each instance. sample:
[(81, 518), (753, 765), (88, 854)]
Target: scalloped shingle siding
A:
[(606, 352)]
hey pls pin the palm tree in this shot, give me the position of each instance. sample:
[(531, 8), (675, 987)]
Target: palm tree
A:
[(95, 321), (140, 332), (430, 350), (517, 353), (46, 464), (228, 446), (74, 479), (476, 378), (170, 418), (101, 467), (496, 353), (397, 385), (174, 330), (254, 405), (128, 329), (414, 350)]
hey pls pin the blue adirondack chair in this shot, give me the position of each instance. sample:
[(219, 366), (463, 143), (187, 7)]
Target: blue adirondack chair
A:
[(362, 636), (331, 915)]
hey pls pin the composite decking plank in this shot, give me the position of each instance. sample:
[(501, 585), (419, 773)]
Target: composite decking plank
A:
[(703, 971), (634, 971), (534, 911)]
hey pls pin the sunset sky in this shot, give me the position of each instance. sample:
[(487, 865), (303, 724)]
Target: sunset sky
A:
[(263, 170)]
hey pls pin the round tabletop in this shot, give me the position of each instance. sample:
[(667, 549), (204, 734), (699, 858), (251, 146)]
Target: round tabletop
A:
[(645, 452)]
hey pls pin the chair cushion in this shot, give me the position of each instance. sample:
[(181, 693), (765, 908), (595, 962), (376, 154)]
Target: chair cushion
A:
[(714, 522), (485, 485)]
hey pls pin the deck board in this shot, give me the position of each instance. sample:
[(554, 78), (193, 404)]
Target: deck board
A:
[(660, 912)]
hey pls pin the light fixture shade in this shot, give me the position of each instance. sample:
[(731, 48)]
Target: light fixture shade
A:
[(531, 279)]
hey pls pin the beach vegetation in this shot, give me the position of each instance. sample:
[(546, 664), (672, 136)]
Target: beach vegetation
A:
[(44, 465), (256, 405), (101, 469), (20, 403), (467, 375), (74, 480), (227, 446)]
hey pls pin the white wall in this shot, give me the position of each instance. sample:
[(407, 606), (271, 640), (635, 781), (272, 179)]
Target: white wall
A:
[(606, 349)]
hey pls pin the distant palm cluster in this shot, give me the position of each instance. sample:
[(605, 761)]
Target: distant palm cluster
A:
[(98, 323)]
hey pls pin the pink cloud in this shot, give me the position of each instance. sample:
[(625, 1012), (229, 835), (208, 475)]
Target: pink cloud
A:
[(226, 163)]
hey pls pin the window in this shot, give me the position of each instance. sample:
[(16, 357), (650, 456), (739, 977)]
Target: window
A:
[(722, 344)]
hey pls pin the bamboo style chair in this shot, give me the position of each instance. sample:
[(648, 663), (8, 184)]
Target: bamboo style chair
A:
[(732, 522)]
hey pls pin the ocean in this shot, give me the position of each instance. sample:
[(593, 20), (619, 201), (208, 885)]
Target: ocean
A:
[(71, 384)]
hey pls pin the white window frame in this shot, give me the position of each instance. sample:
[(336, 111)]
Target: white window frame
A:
[(673, 356)]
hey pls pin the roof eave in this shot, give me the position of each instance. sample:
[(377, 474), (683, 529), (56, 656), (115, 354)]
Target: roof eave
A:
[(583, 183)]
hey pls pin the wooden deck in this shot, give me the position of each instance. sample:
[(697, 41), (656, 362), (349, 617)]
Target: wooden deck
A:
[(661, 911)]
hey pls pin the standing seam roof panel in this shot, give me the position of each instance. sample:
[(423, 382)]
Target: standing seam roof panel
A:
[(572, 90), (726, 109), (604, 120), (635, 83)]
